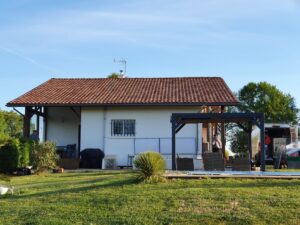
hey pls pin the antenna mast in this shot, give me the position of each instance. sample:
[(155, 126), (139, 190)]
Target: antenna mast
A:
[(122, 61)]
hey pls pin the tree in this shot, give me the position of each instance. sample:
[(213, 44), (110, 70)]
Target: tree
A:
[(261, 97), (3, 127), (239, 140), (2, 124), (113, 75), (277, 106), (12, 123)]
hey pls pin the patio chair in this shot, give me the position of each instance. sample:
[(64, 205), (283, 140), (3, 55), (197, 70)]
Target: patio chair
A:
[(241, 163), (185, 164), (213, 161)]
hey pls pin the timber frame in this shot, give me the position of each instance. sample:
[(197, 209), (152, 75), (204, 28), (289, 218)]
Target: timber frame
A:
[(29, 113), (179, 120)]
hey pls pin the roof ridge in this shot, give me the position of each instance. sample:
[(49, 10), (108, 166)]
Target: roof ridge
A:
[(102, 78)]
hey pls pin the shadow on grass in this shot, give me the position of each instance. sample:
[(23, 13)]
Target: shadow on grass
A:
[(92, 185), (230, 184), (67, 179), (99, 173), (58, 182)]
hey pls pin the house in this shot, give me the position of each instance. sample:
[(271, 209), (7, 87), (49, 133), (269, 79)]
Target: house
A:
[(125, 116)]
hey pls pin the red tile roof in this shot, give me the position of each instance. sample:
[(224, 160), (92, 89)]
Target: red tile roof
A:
[(129, 91)]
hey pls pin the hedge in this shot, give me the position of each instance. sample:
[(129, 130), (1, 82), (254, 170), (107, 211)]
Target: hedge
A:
[(14, 154)]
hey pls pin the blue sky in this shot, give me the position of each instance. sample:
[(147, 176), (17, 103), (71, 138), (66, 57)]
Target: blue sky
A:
[(239, 40)]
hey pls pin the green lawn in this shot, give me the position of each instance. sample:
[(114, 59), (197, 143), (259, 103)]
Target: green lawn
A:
[(115, 198)]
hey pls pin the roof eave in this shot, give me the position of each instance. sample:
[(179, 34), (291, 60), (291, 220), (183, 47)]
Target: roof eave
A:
[(123, 104)]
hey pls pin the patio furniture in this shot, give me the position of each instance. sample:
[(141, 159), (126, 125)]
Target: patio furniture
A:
[(241, 163), (185, 164), (293, 162), (110, 162), (213, 161), (67, 151), (121, 167), (130, 160), (69, 164)]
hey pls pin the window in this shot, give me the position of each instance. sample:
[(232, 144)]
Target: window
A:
[(122, 127)]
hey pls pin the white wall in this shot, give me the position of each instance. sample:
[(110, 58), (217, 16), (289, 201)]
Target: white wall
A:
[(153, 131), (92, 128), (63, 126)]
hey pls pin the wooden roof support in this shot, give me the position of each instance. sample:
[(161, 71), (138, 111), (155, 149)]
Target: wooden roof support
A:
[(26, 122), (223, 131)]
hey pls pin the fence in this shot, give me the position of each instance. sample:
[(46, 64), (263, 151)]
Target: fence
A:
[(184, 146)]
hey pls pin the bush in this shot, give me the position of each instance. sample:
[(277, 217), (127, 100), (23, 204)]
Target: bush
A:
[(150, 166), (3, 139), (9, 156), (25, 152), (44, 156)]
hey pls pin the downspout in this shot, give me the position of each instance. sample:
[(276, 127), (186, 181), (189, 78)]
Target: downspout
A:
[(197, 139), (104, 127)]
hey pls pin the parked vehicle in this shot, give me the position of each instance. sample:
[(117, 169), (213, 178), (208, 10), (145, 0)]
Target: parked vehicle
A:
[(277, 137)]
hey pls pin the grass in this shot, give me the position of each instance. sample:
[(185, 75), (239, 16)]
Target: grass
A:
[(116, 198)]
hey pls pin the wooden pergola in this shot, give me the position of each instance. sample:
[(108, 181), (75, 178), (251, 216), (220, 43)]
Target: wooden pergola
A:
[(179, 120)]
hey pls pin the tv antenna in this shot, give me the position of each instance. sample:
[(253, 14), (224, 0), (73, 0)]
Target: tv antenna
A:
[(123, 62)]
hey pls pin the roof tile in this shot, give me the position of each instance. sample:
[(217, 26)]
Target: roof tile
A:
[(122, 91)]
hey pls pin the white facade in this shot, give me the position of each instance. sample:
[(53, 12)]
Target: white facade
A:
[(63, 125), (152, 130)]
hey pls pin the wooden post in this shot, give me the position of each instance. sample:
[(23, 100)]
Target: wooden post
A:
[(210, 137), (45, 123), (216, 129), (79, 141), (250, 139), (223, 138), (173, 145), (26, 122), (38, 124), (223, 131), (262, 144)]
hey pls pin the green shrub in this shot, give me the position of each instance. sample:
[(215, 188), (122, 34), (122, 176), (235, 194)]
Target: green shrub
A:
[(150, 166), (14, 153), (9, 156), (25, 152), (3, 139), (44, 156)]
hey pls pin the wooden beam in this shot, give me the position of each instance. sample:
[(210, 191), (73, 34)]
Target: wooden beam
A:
[(250, 140), (38, 125), (244, 128), (215, 117), (262, 144), (45, 123), (223, 132), (37, 111), (26, 122), (173, 145), (179, 127), (18, 112), (223, 138), (74, 111)]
